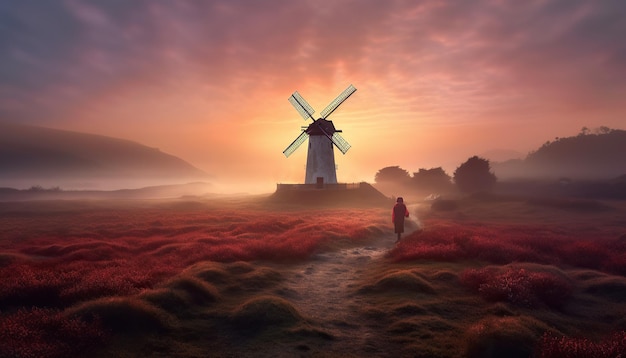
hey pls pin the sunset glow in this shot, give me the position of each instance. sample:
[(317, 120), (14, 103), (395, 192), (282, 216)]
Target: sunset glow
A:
[(437, 82)]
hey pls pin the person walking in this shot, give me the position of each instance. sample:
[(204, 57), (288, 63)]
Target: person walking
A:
[(397, 216)]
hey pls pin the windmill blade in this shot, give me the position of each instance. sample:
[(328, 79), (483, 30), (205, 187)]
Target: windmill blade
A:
[(295, 144), (298, 102), (340, 142), (337, 101), (335, 138)]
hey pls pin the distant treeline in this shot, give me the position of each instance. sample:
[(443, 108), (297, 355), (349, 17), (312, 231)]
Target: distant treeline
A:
[(590, 164)]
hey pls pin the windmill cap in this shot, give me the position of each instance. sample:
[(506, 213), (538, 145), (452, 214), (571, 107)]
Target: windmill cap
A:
[(399, 200)]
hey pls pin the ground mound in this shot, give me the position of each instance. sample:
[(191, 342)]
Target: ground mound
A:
[(172, 301), (399, 281), (125, 315), (209, 271), (513, 337), (194, 289), (264, 312), (612, 288)]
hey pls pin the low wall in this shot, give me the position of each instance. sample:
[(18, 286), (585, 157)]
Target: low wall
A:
[(339, 186), (344, 194)]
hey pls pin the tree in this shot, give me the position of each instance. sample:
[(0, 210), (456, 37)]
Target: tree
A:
[(434, 179), (392, 175), (603, 130), (584, 131), (474, 175)]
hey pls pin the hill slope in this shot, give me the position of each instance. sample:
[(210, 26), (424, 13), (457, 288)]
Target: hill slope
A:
[(586, 156), (45, 155)]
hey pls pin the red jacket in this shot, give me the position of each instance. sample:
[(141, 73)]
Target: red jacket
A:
[(400, 211)]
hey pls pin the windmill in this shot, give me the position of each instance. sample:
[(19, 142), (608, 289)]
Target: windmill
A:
[(322, 135)]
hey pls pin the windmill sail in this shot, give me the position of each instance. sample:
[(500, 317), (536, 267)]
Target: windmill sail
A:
[(340, 142), (295, 144), (337, 101), (320, 157), (302, 106)]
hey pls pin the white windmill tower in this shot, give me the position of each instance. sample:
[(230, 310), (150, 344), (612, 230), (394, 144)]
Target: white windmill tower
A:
[(322, 135)]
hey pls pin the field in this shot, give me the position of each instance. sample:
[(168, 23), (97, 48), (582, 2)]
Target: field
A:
[(195, 277)]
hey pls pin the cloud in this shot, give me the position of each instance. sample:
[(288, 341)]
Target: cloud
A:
[(482, 46), (144, 69)]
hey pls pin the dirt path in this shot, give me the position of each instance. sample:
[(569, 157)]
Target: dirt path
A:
[(324, 289), (325, 286)]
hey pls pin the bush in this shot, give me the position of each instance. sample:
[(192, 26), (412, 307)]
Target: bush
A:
[(474, 175), (518, 286), (198, 291), (393, 175), (434, 179)]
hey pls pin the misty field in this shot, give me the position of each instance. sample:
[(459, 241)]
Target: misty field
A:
[(196, 277)]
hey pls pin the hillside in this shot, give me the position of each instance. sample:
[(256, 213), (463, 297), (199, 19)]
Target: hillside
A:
[(585, 156), (44, 156)]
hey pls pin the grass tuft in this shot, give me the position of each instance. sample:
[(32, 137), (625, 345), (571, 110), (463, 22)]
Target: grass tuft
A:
[(260, 278), (172, 301), (610, 288), (511, 337), (239, 267), (400, 281), (209, 271), (409, 309), (123, 315), (198, 291), (264, 312)]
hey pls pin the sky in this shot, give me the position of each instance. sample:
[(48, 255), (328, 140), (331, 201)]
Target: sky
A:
[(208, 81)]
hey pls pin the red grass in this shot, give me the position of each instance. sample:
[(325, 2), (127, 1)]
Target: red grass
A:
[(551, 346), (55, 260), (47, 333), (101, 254), (59, 284), (503, 244)]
